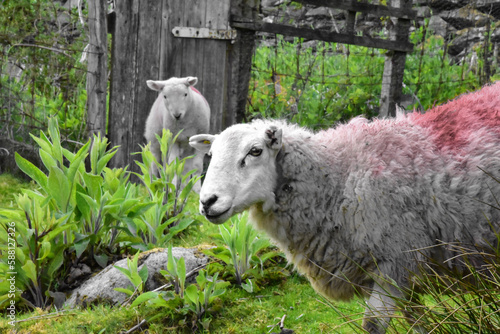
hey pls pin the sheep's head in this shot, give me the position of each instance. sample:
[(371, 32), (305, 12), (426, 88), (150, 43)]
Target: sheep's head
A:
[(242, 170), (176, 94)]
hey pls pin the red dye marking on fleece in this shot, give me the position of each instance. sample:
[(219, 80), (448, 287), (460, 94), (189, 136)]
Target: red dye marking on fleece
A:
[(197, 91), (454, 124)]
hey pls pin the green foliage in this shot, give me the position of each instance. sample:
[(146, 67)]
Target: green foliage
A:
[(190, 305), (306, 85), (137, 277), (422, 67), (243, 251), (41, 43), (75, 215), (169, 193), (176, 272), (38, 239), (319, 85)]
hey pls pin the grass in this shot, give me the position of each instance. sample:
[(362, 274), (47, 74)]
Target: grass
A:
[(241, 313), (9, 186)]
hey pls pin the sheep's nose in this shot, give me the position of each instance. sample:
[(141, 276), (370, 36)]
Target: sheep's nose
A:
[(207, 203)]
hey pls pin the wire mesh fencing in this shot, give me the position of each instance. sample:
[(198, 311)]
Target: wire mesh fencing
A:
[(317, 84)]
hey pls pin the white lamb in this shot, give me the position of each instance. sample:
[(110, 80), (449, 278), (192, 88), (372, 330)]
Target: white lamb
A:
[(179, 106), (357, 207)]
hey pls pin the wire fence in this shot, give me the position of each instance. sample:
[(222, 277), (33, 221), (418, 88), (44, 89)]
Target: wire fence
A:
[(317, 84)]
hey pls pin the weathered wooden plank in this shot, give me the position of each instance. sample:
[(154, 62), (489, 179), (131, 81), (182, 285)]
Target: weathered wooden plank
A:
[(97, 75), (123, 75), (194, 14), (147, 68), (214, 71), (355, 6), (171, 55), (323, 35)]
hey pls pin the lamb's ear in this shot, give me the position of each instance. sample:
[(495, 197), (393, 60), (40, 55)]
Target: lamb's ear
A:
[(202, 142), (191, 81), (274, 137), (155, 85)]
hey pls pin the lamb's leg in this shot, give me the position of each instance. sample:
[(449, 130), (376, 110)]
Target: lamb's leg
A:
[(380, 308)]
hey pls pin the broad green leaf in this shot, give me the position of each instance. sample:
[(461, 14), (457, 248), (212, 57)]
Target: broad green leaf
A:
[(127, 291), (32, 171), (30, 271), (81, 246), (124, 271), (55, 263), (144, 298), (94, 185), (143, 273), (44, 250), (77, 161), (101, 259), (47, 159), (191, 293), (59, 187), (56, 140), (43, 142)]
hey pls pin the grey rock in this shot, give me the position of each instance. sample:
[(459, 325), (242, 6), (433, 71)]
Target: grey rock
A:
[(100, 288)]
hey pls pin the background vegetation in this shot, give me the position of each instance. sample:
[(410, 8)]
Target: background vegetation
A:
[(75, 209)]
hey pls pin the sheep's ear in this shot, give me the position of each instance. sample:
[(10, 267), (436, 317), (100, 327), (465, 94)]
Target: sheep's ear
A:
[(155, 85), (202, 142), (273, 137), (191, 81)]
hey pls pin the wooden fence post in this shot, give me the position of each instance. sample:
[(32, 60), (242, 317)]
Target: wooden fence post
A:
[(240, 62), (392, 80), (97, 75)]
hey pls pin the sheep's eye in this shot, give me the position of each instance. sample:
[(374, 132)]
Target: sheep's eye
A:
[(165, 96), (255, 151), (185, 94)]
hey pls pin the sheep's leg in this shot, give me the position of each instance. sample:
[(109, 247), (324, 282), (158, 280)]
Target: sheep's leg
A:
[(380, 308)]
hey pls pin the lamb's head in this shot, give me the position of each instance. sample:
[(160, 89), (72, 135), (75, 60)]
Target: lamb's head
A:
[(242, 170), (177, 94)]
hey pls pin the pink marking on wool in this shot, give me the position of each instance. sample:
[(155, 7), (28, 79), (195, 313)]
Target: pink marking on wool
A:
[(197, 91), (455, 123)]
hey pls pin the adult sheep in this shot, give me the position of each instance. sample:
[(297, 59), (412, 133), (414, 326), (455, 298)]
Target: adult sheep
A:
[(179, 106), (357, 207)]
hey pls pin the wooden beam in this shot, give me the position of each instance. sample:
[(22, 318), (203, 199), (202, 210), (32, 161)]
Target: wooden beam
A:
[(97, 69), (392, 80), (355, 6), (323, 35)]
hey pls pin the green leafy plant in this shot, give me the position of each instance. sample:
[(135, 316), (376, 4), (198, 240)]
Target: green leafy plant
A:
[(37, 235), (167, 216), (243, 251), (176, 272), (198, 298), (193, 303), (137, 277)]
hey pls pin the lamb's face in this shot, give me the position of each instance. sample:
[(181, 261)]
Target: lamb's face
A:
[(242, 170), (176, 93)]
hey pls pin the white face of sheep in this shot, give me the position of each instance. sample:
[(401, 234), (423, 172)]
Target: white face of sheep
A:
[(176, 94), (242, 170)]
